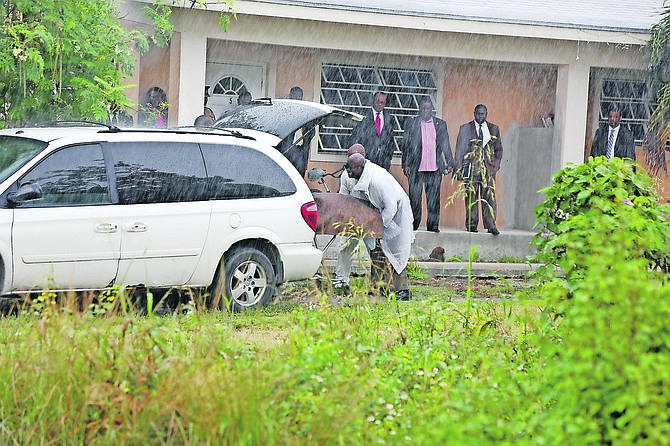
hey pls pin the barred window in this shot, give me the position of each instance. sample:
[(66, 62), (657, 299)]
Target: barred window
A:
[(351, 87), (634, 102)]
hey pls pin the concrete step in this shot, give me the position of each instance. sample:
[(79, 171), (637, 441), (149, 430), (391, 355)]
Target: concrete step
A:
[(479, 270), (457, 244)]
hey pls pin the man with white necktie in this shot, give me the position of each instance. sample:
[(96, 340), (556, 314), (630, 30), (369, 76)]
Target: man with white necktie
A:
[(613, 139), (478, 156), (375, 132)]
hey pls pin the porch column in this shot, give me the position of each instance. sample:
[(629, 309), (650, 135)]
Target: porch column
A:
[(192, 77), (572, 94)]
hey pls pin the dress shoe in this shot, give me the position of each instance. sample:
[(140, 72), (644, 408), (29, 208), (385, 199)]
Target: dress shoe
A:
[(403, 295), (435, 230), (472, 230), (493, 231), (342, 288)]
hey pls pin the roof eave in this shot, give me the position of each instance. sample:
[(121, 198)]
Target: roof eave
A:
[(468, 25)]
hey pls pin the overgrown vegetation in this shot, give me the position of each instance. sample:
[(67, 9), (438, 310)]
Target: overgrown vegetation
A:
[(587, 364), (359, 374), (657, 52), (608, 356)]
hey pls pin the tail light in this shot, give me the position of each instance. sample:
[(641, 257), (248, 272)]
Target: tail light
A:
[(308, 211)]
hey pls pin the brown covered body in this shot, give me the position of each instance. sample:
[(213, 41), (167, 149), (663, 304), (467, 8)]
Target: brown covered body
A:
[(335, 210)]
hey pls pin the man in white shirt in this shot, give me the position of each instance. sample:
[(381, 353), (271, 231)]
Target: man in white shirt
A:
[(389, 198), (349, 245)]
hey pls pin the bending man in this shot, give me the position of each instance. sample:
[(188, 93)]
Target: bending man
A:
[(345, 254), (388, 197)]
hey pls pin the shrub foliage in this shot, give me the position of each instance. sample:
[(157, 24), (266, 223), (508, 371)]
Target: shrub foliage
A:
[(588, 204)]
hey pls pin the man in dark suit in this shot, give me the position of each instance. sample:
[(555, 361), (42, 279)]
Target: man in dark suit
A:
[(375, 132), (478, 155), (622, 143), (424, 164)]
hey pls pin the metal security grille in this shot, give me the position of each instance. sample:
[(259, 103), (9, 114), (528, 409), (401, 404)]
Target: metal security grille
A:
[(351, 87), (634, 102)]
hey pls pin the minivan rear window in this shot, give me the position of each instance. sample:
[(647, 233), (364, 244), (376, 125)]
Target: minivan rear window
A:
[(242, 172), (15, 152)]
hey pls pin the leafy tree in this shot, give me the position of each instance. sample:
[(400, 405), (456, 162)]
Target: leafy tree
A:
[(65, 59)]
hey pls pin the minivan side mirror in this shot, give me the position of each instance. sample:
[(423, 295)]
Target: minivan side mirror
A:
[(31, 191), (316, 173)]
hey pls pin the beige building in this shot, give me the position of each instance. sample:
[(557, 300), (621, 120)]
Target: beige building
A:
[(546, 71)]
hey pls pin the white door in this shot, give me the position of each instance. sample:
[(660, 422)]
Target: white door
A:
[(161, 243), (69, 238), (227, 81)]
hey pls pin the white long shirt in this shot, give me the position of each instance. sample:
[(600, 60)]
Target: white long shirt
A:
[(387, 195)]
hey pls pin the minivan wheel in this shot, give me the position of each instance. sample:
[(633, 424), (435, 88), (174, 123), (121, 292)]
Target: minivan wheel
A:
[(248, 281)]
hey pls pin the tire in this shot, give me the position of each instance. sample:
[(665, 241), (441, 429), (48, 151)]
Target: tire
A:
[(248, 281)]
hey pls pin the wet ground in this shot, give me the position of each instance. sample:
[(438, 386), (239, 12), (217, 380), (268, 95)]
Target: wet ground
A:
[(310, 293)]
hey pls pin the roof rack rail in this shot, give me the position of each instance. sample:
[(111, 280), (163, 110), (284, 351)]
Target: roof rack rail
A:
[(180, 129), (264, 101), (79, 123), (209, 131)]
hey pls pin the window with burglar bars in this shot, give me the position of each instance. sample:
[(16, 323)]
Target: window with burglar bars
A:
[(351, 87), (634, 102)]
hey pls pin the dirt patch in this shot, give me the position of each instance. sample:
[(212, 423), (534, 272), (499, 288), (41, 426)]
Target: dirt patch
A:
[(309, 293), (476, 284)]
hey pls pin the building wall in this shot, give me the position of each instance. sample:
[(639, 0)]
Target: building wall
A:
[(518, 78), (515, 94)]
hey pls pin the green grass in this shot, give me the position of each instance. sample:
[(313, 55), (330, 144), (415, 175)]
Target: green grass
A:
[(360, 373)]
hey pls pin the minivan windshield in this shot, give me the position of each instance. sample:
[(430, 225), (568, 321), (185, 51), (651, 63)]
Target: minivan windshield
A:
[(15, 152)]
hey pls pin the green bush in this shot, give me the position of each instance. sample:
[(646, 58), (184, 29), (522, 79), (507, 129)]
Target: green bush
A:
[(606, 343), (602, 197), (607, 354)]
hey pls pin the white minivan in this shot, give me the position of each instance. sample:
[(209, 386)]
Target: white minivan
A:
[(87, 207)]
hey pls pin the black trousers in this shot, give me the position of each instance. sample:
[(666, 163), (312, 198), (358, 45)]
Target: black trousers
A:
[(432, 182), (480, 190)]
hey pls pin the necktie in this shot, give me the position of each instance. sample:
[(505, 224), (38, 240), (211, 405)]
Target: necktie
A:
[(378, 124), (610, 145), (479, 131)]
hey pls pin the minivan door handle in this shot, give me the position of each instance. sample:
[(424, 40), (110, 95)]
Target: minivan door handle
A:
[(105, 227), (136, 226)]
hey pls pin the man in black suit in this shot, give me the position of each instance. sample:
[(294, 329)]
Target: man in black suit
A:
[(424, 165), (622, 144), (375, 132), (478, 155)]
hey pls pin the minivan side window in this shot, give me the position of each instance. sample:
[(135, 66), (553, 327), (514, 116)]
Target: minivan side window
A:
[(158, 172), (69, 176), (242, 172)]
